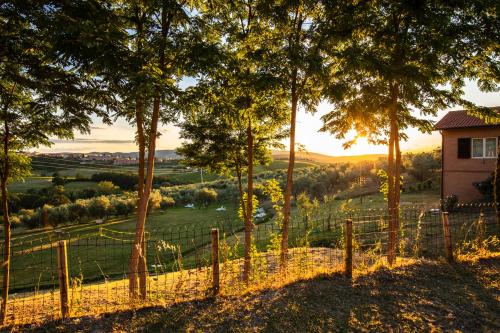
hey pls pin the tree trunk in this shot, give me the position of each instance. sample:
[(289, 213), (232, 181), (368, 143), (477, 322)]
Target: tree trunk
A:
[(6, 252), (397, 186), (496, 189), (137, 254), (249, 209), (6, 226), (140, 192), (390, 198), (287, 207), (393, 175), (139, 117)]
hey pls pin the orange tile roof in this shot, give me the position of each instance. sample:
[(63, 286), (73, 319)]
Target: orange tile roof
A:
[(460, 119)]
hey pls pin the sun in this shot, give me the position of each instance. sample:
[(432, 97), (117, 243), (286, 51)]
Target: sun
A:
[(362, 147)]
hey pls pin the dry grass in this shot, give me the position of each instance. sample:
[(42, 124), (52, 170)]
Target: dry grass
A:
[(415, 295)]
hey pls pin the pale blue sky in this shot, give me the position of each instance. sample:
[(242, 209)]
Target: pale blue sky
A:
[(120, 136)]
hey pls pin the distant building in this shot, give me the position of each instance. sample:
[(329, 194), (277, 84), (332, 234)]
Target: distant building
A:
[(469, 151), (125, 161)]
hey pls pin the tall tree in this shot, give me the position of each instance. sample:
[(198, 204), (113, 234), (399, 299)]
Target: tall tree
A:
[(41, 95), (398, 63), (299, 62), (243, 98), (141, 49)]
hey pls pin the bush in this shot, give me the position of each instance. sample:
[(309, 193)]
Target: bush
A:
[(449, 203), (30, 218), (15, 221), (123, 207), (99, 207), (167, 202), (78, 211), (58, 215), (58, 181), (107, 187), (205, 196), (154, 200)]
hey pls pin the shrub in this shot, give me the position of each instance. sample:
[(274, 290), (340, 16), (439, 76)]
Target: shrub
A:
[(58, 181), (30, 218), (123, 207), (15, 221), (99, 207), (205, 196), (167, 202), (78, 211), (107, 187), (449, 203), (154, 200), (58, 215)]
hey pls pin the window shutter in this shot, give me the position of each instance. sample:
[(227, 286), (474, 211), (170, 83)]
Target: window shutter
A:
[(464, 147)]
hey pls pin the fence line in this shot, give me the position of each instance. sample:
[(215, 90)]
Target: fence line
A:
[(75, 275)]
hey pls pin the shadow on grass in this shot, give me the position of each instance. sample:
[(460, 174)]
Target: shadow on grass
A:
[(423, 297)]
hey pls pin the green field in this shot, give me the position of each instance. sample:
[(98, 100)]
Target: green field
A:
[(29, 183), (97, 249), (37, 183)]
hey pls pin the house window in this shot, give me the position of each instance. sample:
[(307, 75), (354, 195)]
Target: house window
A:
[(484, 147)]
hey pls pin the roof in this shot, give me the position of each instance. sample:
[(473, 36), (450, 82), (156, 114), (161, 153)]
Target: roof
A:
[(460, 119)]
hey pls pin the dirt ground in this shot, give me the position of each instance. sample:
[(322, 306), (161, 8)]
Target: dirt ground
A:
[(424, 296)]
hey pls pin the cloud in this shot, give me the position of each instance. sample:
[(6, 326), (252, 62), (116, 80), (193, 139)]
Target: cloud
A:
[(102, 141), (97, 128)]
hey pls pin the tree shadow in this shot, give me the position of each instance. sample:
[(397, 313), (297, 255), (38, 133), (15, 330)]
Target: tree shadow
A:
[(425, 296)]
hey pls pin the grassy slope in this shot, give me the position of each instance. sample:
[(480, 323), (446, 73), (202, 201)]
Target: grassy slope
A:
[(427, 296)]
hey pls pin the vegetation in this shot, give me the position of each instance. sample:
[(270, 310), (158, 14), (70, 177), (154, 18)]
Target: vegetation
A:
[(251, 66)]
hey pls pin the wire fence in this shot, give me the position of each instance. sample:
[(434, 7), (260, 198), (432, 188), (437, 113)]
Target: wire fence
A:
[(180, 263)]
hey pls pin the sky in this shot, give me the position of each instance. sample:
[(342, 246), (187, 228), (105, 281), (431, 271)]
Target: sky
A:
[(120, 136)]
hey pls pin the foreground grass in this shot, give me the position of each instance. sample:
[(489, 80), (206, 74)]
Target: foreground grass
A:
[(426, 296)]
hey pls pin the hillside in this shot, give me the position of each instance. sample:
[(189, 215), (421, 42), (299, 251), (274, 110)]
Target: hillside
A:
[(326, 159), (412, 298)]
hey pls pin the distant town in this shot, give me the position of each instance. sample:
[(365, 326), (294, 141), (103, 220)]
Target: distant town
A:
[(117, 158)]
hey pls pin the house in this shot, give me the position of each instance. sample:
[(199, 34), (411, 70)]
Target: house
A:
[(469, 151)]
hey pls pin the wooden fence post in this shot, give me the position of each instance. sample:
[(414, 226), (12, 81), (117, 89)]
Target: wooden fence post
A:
[(215, 261), (348, 248), (62, 268), (448, 249)]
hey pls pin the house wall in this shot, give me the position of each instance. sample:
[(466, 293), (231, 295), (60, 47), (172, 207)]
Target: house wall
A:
[(459, 174)]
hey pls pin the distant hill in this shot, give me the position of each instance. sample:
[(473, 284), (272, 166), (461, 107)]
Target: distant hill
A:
[(168, 153), (326, 159)]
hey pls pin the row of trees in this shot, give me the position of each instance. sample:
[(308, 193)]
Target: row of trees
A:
[(255, 63)]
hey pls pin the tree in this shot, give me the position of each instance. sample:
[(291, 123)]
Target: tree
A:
[(298, 62), (400, 59), (41, 95), (242, 104), (423, 165)]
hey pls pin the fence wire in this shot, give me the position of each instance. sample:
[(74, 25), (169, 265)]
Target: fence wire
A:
[(179, 259)]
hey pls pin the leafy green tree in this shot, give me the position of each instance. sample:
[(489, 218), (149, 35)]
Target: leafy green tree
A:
[(423, 165), (395, 64), (298, 61), (41, 95), (242, 104)]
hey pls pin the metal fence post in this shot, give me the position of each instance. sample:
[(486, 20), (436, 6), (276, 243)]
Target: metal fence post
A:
[(62, 268), (348, 248), (215, 261), (448, 249)]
